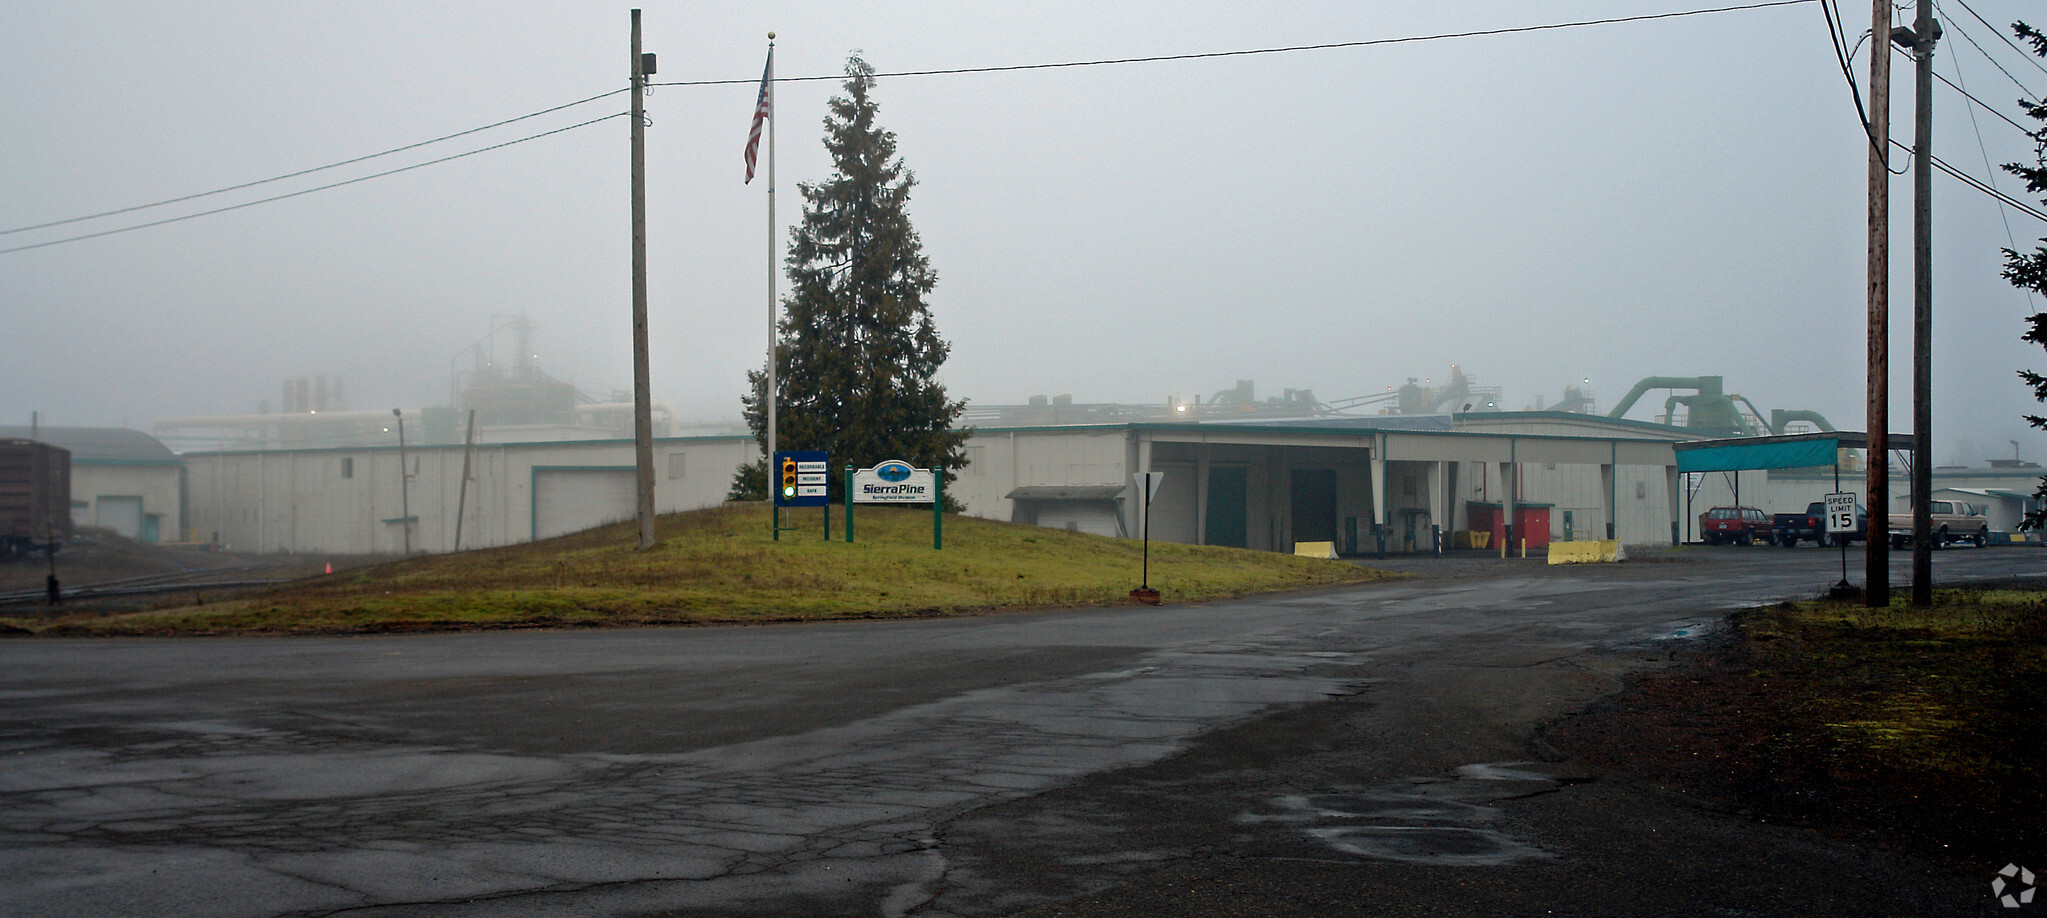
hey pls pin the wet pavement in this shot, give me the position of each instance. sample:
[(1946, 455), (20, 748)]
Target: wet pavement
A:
[(1340, 751)]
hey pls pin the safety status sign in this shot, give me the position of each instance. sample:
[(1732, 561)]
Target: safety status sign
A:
[(800, 478)]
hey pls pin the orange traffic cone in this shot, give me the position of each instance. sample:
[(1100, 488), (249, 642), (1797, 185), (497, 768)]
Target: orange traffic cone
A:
[(330, 567)]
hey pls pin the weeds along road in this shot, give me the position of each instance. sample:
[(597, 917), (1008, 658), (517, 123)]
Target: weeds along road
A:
[(1358, 750)]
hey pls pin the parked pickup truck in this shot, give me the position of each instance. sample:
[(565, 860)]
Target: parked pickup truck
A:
[(1811, 526), (1953, 521), (1739, 525)]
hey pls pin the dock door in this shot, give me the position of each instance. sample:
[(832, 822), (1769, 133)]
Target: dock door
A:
[(1227, 493), (1314, 505)]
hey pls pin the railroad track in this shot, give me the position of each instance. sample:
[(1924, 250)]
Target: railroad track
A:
[(147, 584)]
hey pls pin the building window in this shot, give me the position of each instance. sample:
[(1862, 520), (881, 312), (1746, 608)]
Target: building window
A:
[(677, 464), (347, 467)]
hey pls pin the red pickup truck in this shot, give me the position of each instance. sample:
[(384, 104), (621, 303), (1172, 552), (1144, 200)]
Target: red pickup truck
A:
[(1739, 525)]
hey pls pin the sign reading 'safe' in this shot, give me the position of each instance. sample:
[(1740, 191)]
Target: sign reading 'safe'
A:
[(894, 482)]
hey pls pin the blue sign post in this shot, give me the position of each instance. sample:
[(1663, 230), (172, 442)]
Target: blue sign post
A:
[(799, 479)]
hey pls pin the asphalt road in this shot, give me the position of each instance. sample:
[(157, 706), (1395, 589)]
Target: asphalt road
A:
[(1354, 751)]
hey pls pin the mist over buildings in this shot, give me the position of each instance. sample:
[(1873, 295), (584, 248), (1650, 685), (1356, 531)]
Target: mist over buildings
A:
[(1582, 207)]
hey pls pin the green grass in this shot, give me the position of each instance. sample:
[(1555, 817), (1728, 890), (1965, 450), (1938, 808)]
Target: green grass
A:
[(721, 566), (1949, 697)]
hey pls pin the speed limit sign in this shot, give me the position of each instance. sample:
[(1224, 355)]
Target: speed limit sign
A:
[(1840, 512)]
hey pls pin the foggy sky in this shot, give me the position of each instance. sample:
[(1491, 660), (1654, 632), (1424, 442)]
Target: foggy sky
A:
[(1680, 197)]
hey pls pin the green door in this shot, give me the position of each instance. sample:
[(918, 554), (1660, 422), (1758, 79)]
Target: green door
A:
[(1226, 509)]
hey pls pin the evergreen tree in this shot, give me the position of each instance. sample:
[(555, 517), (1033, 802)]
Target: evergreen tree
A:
[(856, 353), (2029, 270)]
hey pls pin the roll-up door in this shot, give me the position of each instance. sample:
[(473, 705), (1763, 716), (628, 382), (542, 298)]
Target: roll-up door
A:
[(121, 514), (572, 500), (1097, 517)]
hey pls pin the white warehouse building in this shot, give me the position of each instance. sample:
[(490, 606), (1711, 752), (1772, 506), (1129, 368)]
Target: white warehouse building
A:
[(1268, 485), (1257, 485), (349, 500)]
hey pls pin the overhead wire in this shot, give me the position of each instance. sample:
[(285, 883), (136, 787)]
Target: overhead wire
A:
[(1978, 184), (304, 172), (1983, 105), (964, 70), (1200, 55), (1845, 57), (307, 191), (2001, 36), (1989, 171), (2030, 94)]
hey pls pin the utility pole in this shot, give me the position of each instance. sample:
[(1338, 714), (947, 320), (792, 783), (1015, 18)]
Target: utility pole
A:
[(1920, 40), (1876, 478), (462, 492), (404, 485), (643, 399)]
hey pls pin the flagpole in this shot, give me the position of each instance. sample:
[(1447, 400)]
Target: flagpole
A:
[(769, 461)]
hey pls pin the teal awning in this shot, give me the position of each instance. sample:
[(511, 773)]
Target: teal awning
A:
[(1734, 457)]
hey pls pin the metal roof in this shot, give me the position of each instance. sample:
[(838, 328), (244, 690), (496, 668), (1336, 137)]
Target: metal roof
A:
[(1065, 492), (111, 445), (1403, 422)]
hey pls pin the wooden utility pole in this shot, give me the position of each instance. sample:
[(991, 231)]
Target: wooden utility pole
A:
[(462, 492), (404, 485), (643, 399), (1876, 478), (1924, 33)]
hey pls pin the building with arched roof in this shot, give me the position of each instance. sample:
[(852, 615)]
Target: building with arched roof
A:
[(123, 480)]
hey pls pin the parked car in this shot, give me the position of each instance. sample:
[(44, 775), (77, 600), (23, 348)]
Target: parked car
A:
[(1811, 525), (1739, 525), (1953, 521)]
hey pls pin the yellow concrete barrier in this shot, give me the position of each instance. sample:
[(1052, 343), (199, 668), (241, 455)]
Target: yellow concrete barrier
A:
[(1586, 552), (1316, 550)]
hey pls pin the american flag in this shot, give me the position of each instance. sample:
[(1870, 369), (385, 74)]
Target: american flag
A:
[(760, 116)]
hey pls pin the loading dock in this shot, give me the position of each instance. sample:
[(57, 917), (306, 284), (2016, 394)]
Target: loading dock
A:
[(1353, 481)]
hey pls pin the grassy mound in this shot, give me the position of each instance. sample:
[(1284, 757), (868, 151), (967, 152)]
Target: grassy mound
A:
[(1946, 699), (721, 566), (1905, 726)]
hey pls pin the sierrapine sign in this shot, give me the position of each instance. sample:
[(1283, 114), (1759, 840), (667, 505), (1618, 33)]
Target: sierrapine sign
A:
[(894, 482)]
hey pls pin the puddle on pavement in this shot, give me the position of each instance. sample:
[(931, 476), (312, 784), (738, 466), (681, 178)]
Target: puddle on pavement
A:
[(1440, 821), (1688, 631)]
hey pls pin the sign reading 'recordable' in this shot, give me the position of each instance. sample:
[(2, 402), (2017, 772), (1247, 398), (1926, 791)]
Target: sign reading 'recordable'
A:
[(894, 482)]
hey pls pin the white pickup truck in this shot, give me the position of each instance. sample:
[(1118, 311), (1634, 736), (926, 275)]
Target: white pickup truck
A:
[(1953, 521)]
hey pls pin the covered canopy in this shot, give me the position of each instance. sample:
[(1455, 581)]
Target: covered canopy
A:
[(1792, 451)]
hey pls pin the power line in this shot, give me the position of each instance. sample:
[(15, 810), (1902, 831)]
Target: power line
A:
[(965, 70), (1973, 182), (365, 178), (1845, 57), (1984, 105), (301, 172), (1289, 49), (2001, 37), (2030, 94), (1990, 173)]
